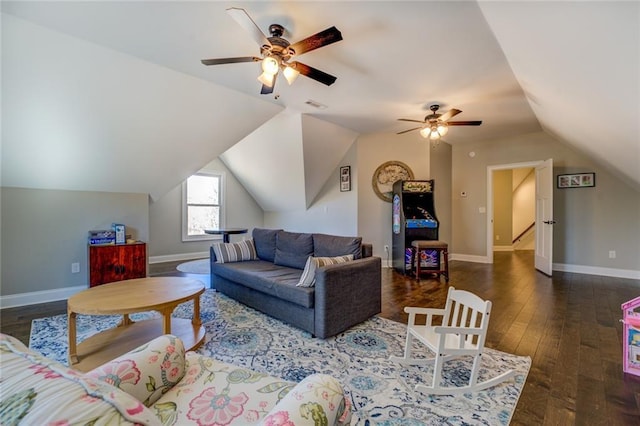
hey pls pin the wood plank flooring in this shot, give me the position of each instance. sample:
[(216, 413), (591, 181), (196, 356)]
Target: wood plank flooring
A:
[(569, 325)]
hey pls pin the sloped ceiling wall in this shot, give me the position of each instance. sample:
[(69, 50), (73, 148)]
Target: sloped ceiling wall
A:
[(579, 66), (79, 116), (285, 163)]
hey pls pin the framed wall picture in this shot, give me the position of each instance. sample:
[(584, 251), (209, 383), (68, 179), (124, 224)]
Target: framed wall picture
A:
[(345, 178), (576, 180)]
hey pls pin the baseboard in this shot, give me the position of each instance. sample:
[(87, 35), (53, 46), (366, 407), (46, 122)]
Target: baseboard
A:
[(35, 297), (596, 270), (177, 257), (469, 258), (503, 248)]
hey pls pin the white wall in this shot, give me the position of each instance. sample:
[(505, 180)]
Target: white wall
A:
[(332, 212), (524, 204), (165, 216)]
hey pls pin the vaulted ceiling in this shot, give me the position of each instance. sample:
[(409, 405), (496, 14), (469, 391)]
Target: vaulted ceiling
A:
[(568, 68)]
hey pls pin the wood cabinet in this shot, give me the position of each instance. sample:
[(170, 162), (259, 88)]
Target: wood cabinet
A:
[(109, 263)]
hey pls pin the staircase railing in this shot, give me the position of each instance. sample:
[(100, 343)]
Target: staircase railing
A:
[(523, 232)]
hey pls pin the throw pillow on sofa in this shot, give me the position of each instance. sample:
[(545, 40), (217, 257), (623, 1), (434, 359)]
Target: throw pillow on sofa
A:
[(308, 278), (235, 252), (333, 245), (293, 249)]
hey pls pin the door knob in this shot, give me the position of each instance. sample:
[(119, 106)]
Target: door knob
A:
[(549, 222)]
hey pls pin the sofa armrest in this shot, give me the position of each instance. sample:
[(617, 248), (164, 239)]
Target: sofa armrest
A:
[(347, 294), (318, 399), (148, 371)]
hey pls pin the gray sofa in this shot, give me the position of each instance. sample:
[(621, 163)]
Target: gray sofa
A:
[(344, 294)]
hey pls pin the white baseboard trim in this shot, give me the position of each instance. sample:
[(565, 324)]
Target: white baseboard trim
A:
[(35, 297), (596, 270), (176, 257), (469, 258)]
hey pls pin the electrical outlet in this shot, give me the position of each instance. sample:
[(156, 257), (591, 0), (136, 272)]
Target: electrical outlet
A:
[(386, 248), (497, 237), (612, 254), (75, 268)]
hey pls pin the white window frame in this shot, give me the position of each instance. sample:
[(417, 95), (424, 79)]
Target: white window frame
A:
[(221, 203)]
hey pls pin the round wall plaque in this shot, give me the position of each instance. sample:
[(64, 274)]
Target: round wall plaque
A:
[(385, 176)]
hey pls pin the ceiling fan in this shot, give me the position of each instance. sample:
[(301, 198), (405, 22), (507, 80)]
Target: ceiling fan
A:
[(436, 125), (276, 52)]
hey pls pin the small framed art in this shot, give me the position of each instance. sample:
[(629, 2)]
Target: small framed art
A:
[(345, 178), (576, 180)]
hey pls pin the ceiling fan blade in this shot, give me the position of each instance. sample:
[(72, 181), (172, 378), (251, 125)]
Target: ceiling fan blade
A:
[(323, 38), (410, 130), (230, 60), (464, 123), (449, 114), (412, 121), (266, 89), (313, 73), (242, 17)]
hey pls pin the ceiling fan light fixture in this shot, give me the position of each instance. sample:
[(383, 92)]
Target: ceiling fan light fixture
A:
[(442, 128), (270, 65), (290, 74), (266, 79)]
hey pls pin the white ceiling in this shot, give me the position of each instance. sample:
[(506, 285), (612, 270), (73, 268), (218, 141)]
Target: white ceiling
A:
[(569, 68)]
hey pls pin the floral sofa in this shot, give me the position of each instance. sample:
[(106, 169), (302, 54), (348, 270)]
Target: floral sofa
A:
[(159, 384)]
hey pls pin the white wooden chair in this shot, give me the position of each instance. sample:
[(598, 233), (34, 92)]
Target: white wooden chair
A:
[(465, 320)]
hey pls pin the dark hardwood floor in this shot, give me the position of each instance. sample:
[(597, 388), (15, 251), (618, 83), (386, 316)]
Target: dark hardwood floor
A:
[(569, 325)]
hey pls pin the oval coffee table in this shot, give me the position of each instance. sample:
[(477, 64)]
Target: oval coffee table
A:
[(160, 294)]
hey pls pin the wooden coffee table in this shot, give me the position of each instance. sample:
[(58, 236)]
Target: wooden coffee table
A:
[(160, 294)]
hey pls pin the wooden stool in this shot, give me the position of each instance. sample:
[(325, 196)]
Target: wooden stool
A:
[(443, 255)]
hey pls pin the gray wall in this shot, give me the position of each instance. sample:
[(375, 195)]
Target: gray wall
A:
[(590, 221), (374, 215), (165, 216), (45, 231), (440, 168)]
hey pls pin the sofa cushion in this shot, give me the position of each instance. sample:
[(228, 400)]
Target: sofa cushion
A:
[(265, 243), (217, 393), (235, 252), (308, 277), (39, 391), (266, 277), (332, 245), (293, 249)]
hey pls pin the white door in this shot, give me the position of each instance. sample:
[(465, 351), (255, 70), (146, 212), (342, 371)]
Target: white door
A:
[(544, 217)]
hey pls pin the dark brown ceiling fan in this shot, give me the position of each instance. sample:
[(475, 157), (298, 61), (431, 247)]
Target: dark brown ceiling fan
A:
[(436, 125), (276, 52)]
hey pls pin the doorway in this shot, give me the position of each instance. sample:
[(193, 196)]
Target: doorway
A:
[(540, 248)]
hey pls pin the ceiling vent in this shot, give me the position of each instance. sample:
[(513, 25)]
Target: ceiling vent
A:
[(315, 104)]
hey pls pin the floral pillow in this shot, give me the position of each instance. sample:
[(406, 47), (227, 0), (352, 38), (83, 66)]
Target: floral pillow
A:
[(147, 372), (308, 277)]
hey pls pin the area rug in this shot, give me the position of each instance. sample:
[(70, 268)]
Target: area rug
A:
[(200, 266), (381, 391)]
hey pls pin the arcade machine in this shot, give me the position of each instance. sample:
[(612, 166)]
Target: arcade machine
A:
[(414, 218)]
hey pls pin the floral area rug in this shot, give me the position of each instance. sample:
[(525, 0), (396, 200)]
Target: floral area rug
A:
[(381, 391)]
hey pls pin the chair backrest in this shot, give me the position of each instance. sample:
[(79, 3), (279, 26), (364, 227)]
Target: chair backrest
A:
[(465, 309)]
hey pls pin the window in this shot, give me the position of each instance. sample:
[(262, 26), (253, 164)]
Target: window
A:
[(202, 205)]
